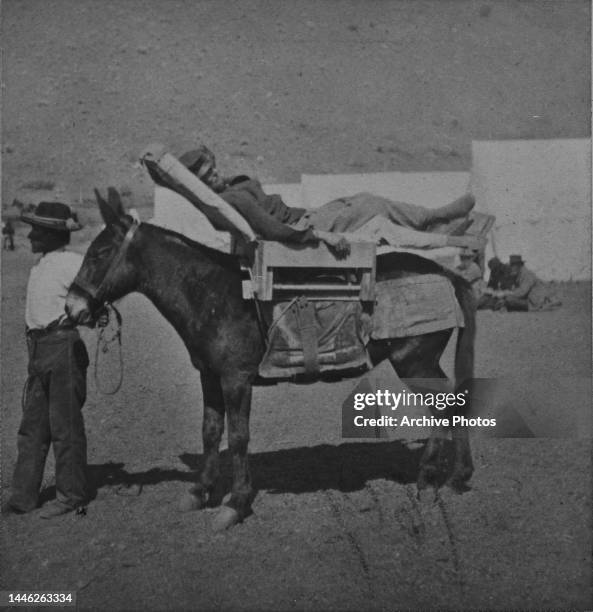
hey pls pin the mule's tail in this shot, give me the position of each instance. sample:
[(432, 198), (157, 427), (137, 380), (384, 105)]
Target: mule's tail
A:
[(464, 351)]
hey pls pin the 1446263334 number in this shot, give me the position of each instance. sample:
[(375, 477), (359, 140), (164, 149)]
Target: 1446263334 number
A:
[(41, 598)]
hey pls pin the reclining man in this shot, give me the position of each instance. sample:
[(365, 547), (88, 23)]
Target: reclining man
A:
[(360, 217)]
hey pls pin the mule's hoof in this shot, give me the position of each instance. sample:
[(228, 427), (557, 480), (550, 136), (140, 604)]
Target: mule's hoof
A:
[(226, 518), (427, 496), (190, 502), (458, 485)]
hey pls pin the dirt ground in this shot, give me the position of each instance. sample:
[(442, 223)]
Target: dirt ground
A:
[(281, 88)]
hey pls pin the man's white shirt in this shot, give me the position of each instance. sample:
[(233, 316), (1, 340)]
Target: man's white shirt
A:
[(48, 286)]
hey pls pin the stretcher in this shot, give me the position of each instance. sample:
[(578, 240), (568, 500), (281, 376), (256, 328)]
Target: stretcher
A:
[(276, 270), (273, 270)]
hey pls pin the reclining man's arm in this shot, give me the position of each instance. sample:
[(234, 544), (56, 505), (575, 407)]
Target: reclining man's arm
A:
[(263, 223), (338, 243)]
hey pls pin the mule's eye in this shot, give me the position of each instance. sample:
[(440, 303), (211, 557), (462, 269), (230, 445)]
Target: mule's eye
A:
[(98, 254)]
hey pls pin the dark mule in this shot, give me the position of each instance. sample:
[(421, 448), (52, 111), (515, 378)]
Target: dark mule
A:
[(198, 290)]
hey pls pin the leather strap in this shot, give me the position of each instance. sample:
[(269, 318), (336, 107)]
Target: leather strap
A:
[(97, 292), (305, 311)]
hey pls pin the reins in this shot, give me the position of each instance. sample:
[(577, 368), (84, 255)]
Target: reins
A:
[(103, 347), (103, 344)]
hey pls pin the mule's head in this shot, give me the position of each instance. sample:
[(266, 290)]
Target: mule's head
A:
[(106, 273)]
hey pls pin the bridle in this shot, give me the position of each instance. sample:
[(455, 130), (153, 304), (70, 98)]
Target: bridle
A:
[(96, 292)]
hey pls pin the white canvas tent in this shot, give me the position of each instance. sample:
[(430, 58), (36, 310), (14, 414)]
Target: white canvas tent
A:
[(540, 193)]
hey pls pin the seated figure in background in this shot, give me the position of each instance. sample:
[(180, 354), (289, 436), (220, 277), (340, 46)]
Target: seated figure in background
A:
[(501, 279), (528, 291)]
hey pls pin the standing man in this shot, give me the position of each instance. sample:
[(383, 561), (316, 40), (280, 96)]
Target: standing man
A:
[(8, 235), (471, 272), (58, 361)]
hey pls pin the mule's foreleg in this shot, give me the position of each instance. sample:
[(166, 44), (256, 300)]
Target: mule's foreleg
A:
[(237, 398), (212, 430)]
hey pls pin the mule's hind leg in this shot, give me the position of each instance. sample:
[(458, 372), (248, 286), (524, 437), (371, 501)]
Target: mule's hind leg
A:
[(463, 466), (418, 357), (212, 430), (432, 462), (237, 398)]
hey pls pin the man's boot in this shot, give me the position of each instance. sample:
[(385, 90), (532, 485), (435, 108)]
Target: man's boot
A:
[(461, 207)]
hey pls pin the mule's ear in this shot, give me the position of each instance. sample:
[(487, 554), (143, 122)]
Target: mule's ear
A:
[(109, 211), (114, 200)]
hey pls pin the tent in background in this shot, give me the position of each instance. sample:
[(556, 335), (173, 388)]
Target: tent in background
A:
[(540, 193)]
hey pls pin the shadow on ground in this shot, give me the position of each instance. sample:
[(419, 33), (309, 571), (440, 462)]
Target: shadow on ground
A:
[(346, 467)]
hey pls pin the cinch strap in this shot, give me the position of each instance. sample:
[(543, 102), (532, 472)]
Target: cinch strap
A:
[(305, 312)]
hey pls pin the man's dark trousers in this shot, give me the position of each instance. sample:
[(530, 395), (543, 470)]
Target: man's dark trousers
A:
[(515, 303), (52, 413)]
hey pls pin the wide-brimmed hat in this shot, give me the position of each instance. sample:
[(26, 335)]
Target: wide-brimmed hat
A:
[(200, 161), (516, 260), (52, 215)]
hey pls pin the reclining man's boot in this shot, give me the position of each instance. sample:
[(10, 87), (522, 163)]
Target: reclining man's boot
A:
[(461, 207)]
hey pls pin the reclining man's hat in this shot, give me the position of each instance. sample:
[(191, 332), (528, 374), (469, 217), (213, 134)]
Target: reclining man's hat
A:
[(516, 260), (200, 161), (52, 215)]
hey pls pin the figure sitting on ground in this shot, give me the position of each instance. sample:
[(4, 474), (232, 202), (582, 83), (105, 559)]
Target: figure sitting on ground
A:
[(360, 217), (501, 279), (528, 291)]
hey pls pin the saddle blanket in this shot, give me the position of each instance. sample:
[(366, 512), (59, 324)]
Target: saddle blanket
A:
[(414, 305), (310, 337)]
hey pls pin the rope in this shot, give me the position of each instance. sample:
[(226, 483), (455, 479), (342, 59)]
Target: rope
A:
[(103, 347), (260, 319)]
